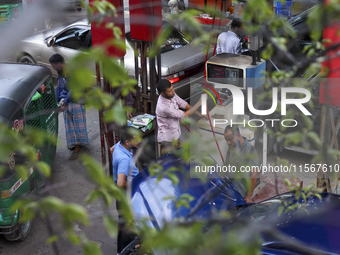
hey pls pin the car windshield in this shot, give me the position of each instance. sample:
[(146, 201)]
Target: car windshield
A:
[(174, 40), (258, 212)]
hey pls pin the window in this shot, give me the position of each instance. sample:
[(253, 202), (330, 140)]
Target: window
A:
[(74, 38)]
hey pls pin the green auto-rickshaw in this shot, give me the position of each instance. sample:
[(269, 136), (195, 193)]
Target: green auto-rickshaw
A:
[(27, 100)]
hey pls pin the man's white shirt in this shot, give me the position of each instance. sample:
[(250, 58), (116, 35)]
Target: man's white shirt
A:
[(228, 42)]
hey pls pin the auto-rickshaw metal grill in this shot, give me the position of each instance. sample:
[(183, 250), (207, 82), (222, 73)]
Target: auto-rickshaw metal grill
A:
[(27, 101)]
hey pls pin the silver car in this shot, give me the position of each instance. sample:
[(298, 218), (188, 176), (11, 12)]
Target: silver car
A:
[(182, 63)]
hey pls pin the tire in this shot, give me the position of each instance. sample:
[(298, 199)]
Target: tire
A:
[(27, 60), (20, 234), (79, 9)]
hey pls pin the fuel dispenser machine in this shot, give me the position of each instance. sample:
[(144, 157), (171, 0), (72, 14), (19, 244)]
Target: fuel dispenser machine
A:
[(232, 76)]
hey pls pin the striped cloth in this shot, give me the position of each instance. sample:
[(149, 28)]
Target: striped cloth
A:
[(75, 125)]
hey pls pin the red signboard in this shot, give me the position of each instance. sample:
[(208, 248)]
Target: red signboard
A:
[(102, 35), (145, 19), (330, 90)]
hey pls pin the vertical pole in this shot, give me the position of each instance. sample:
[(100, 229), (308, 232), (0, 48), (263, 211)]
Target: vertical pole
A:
[(152, 85), (253, 54), (320, 179), (144, 68), (159, 64), (101, 122), (137, 77), (144, 75), (108, 132), (264, 149)]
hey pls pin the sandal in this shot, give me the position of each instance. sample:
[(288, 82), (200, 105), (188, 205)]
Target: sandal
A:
[(74, 156)]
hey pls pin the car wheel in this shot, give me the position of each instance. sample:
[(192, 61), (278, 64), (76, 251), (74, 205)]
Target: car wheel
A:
[(21, 233), (27, 59)]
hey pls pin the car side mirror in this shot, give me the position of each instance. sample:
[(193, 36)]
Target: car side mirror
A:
[(50, 42)]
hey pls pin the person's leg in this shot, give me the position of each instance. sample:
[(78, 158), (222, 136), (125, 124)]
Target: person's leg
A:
[(79, 120), (69, 128), (80, 131), (124, 236), (120, 228), (164, 148)]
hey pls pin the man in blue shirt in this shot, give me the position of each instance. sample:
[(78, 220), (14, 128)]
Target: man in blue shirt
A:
[(124, 169)]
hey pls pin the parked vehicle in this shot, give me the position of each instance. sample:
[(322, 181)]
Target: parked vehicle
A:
[(22, 107), (182, 62), (316, 228)]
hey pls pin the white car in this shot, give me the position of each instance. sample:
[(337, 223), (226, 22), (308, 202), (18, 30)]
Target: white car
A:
[(182, 63)]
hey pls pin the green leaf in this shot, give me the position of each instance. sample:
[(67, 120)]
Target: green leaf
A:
[(114, 191), (268, 52), (91, 248), (182, 203), (95, 169), (107, 198), (44, 168), (327, 40), (52, 239), (173, 178), (75, 212), (169, 198), (28, 213), (22, 171), (111, 226), (287, 182), (311, 53), (73, 238), (280, 211), (93, 196), (116, 114), (187, 197), (318, 196), (307, 48), (297, 195), (307, 121), (51, 204)]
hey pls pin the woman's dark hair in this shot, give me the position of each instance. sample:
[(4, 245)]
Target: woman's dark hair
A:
[(56, 58), (162, 85)]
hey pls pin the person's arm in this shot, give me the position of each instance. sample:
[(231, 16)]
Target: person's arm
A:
[(193, 109), (253, 179), (67, 98), (57, 93), (123, 172), (121, 181), (188, 107)]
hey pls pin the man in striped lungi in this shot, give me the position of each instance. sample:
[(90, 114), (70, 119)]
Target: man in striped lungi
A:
[(74, 113)]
